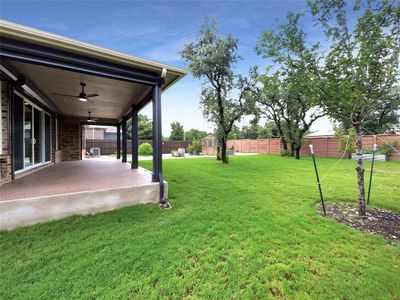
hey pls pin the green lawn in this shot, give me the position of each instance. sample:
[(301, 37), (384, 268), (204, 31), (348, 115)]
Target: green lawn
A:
[(244, 230)]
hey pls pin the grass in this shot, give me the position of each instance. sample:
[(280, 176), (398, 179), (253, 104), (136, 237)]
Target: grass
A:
[(246, 230)]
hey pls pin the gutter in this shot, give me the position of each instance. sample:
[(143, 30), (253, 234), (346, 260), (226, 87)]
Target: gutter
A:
[(39, 37)]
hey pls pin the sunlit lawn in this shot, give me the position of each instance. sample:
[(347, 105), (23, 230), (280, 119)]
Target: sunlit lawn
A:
[(244, 230)]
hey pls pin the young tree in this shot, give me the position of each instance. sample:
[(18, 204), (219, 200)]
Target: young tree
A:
[(362, 65), (380, 121), (289, 96), (225, 97), (177, 132)]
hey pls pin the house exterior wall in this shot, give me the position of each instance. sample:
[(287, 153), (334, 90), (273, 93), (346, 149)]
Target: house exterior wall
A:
[(94, 133), (70, 138), (65, 138), (5, 157)]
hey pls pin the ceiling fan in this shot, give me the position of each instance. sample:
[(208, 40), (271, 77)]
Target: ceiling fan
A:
[(82, 95), (90, 119)]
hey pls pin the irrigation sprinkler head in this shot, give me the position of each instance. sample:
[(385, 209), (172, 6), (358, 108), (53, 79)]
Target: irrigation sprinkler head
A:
[(312, 149)]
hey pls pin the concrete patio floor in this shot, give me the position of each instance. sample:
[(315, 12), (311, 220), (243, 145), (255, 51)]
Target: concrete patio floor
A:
[(73, 177), (74, 187)]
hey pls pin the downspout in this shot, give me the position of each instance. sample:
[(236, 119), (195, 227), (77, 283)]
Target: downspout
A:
[(163, 204), (10, 126)]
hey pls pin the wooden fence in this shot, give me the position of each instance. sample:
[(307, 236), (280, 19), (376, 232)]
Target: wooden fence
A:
[(110, 146), (325, 146)]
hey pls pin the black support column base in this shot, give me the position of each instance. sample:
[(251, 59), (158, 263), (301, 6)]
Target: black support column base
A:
[(165, 205)]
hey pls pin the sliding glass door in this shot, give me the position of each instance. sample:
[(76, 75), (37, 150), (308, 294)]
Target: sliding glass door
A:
[(38, 137), (28, 135), (31, 135)]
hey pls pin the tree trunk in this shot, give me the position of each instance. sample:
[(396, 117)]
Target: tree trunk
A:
[(297, 150), (292, 149), (284, 144), (218, 151), (359, 168), (223, 151)]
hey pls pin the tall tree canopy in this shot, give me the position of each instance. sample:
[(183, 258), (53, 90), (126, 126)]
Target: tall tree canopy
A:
[(225, 97), (177, 132), (361, 66), (145, 127), (195, 134), (289, 94)]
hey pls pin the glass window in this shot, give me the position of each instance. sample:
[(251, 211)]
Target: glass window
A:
[(28, 135)]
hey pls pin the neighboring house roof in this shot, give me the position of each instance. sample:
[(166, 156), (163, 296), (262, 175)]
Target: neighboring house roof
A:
[(106, 128)]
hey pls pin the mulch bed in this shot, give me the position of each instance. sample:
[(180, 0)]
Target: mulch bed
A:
[(378, 221)]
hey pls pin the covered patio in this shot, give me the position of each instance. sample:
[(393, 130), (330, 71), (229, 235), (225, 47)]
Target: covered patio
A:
[(52, 86), (74, 187)]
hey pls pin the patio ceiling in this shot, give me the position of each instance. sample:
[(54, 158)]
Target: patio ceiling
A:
[(114, 100)]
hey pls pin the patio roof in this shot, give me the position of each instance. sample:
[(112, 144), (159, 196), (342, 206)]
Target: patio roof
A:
[(54, 64)]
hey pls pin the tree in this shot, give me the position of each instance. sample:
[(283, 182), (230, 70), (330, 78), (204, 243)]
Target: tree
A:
[(271, 105), (145, 127), (177, 132), (269, 130), (252, 131), (235, 133), (195, 134), (225, 97), (361, 67), (382, 120), (289, 94)]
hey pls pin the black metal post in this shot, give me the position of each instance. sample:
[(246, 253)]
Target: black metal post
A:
[(118, 141), (157, 133), (371, 172), (134, 137), (124, 141), (81, 142), (318, 182)]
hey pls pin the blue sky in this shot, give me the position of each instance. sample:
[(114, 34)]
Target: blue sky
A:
[(158, 30)]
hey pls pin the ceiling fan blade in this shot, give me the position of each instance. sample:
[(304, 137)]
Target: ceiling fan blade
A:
[(91, 95), (74, 96)]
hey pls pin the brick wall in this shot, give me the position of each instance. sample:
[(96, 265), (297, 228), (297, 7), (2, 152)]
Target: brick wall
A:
[(57, 156), (325, 146), (5, 158), (70, 138)]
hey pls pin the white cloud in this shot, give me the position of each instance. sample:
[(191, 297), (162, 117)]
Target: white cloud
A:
[(169, 51)]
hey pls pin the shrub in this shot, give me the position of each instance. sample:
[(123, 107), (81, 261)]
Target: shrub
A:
[(145, 149), (285, 152), (194, 147), (387, 148), (347, 140)]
